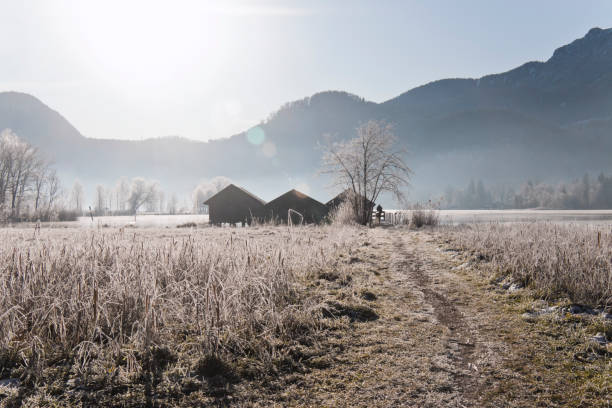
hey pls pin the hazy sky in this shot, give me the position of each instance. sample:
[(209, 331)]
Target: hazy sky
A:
[(202, 70)]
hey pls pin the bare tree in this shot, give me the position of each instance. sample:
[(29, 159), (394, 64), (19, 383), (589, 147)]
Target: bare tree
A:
[(54, 189), (109, 198), (100, 202), (40, 180), (161, 197), (7, 157), (123, 193), (25, 162), (172, 204), (367, 166), (142, 192), (26, 179), (77, 196), (19, 164), (152, 205)]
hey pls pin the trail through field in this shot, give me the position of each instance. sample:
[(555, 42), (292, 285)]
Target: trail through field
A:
[(435, 344), (458, 338)]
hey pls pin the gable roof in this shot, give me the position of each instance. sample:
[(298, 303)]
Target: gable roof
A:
[(235, 187), (293, 193)]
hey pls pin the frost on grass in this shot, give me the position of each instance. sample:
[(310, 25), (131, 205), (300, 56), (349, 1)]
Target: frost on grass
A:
[(556, 260), (89, 310)]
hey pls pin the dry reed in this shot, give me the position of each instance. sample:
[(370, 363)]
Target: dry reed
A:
[(558, 260), (343, 214), (425, 214), (116, 304)]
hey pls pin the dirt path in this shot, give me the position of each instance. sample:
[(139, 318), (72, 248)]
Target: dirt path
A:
[(435, 343), (459, 336)]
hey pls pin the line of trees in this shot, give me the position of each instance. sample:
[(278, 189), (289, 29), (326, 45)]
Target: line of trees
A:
[(585, 193), (126, 197), (29, 187), (30, 190)]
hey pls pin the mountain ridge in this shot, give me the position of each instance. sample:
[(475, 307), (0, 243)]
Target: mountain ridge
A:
[(558, 109)]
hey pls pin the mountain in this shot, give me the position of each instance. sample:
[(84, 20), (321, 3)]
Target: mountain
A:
[(543, 120), (35, 122)]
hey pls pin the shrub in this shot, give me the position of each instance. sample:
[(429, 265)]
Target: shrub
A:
[(344, 214), (67, 215), (428, 214)]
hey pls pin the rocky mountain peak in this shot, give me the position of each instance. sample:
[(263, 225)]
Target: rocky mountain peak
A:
[(597, 43)]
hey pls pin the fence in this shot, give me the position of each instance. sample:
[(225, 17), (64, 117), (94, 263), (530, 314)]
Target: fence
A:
[(392, 217), (375, 216)]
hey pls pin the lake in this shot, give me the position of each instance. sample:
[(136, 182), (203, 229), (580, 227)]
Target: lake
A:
[(447, 217), (600, 217), (144, 220)]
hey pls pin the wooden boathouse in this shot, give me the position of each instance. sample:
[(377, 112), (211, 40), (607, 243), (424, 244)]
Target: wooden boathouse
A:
[(234, 205)]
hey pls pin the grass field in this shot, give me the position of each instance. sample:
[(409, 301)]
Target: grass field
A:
[(559, 260), (307, 316), (110, 307)]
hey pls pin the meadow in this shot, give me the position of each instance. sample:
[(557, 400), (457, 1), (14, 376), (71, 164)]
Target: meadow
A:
[(559, 260), (135, 316), (105, 307)]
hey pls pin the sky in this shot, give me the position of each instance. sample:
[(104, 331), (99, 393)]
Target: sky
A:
[(210, 69)]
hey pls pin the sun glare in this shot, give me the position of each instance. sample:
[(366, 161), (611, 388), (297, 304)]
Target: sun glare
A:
[(145, 43), (180, 67)]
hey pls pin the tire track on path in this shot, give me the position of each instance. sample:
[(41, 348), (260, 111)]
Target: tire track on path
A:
[(460, 338)]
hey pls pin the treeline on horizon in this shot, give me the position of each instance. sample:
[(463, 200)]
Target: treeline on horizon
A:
[(31, 190), (129, 197), (588, 193)]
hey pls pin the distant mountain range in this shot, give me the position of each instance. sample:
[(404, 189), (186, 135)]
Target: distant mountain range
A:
[(543, 120)]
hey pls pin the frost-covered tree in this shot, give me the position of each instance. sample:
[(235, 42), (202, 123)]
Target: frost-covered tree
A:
[(172, 204), (207, 189), (54, 190), (77, 196), (367, 166), (100, 201), (142, 192), (122, 192), (20, 162)]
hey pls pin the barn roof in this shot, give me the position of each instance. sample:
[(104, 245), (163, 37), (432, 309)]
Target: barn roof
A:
[(234, 187), (310, 209), (294, 194)]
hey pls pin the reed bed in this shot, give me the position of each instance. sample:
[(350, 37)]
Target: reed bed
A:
[(559, 260), (113, 305)]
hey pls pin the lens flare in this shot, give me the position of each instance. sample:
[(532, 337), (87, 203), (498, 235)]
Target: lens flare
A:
[(256, 136)]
